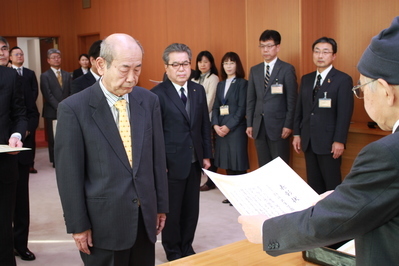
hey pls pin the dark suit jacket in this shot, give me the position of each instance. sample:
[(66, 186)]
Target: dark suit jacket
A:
[(31, 90), (77, 73), (52, 92), (277, 110), (82, 82), (182, 133), (365, 207), (323, 126), (97, 186), (12, 120)]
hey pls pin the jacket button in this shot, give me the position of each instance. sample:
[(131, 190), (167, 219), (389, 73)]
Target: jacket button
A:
[(135, 200)]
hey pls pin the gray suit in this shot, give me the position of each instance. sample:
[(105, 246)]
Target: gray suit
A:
[(365, 207), (53, 94), (99, 189), (269, 113)]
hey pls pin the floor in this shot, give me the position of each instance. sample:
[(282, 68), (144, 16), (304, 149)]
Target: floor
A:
[(217, 225)]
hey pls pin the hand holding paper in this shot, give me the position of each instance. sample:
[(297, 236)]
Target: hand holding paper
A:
[(252, 227)]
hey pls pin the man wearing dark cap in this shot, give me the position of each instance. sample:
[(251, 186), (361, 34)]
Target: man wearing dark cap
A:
[(366, 205)]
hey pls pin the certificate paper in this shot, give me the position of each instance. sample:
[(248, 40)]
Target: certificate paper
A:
[(273, 190), (5, 148)]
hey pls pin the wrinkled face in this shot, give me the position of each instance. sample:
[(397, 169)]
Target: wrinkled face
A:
[(54, 60), (17, 57), (4, 54), (323, 56), (230, 67), (204, 65), (180, 73), (84, 62), (269, 50), (125, 69)]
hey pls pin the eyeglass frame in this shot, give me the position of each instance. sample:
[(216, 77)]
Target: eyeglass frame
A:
[(356, 89), (268, 47), (176, 65), (323, 53)]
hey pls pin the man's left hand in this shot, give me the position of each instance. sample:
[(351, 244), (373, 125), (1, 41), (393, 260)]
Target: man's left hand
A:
[(286, 133), (206, 163), (337, 149), (14, 142), (252, 227)]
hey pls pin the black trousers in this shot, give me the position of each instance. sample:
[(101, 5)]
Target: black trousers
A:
[(181, 221), (7, 206), (141, 254), (268, 149), (50, 138), (322, 170), (21, 213)]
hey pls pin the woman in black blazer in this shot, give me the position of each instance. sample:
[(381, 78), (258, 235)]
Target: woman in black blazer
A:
[(228, 117), (84, 62)]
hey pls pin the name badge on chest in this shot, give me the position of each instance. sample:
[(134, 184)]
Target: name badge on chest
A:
[(224, 110), (277, 88), (325, 102)]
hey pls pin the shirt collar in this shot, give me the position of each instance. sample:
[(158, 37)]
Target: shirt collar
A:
[(271, 64), (178, 87), (97, 77), (324, 73), (112, 98), (395, 126)]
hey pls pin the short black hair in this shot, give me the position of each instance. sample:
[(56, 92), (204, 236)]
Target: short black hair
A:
[(270, 35), (213, 69), (14, 48), (94, 50), (84, 55), (327, 40)]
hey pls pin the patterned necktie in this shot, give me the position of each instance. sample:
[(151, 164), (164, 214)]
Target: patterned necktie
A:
[(19, 71), (183, 96), (267, 76), (317, 86), (124, 128), (59, 77)]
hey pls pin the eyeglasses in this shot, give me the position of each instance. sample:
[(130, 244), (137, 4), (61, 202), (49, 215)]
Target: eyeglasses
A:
[(19, 54), (359, 92), (323, 53), (176, 65), (268, 46), (55, 57)]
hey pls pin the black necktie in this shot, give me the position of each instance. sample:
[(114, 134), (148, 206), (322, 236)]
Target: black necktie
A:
[(317, 86), (267, 76), (183, 96)]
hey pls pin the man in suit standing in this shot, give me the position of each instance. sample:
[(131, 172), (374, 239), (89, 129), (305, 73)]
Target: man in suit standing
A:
[(365, 206), (25, 159), (13, 127), (92, 76), (55, 85), (271, 98), (111, 166), (323, 113), (186, 127)]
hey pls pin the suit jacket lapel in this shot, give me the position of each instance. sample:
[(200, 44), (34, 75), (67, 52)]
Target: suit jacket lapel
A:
[(273, 75), (137, 114), (102, 116), (175, 99)]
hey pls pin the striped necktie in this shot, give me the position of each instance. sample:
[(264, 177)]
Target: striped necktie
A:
[(19, 71), (317, 86), (124, 128), (267, 76)]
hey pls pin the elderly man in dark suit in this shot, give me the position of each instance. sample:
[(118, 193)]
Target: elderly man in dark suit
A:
[(322, 117), (13, 127), (186, 127), (29, 85), (111, 166), (271, 99), (92, 76), (366, 205), (55, 85)]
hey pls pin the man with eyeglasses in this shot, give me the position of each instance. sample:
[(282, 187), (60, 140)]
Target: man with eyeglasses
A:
[(271, 99), (187, 130), (366, 205), (13, 126), (55, 85), (322, 117), (30, 89)]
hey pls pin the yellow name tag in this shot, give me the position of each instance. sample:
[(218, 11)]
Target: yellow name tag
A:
[(324, 103), (277, 89)]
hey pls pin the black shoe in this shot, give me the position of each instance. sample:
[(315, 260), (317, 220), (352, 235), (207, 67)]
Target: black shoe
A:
[(32, 170), (205, 187), (226, 201), (25, 255)]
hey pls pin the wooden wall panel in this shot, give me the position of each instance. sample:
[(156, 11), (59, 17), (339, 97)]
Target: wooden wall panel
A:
[(115, 16), (87, 20)]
